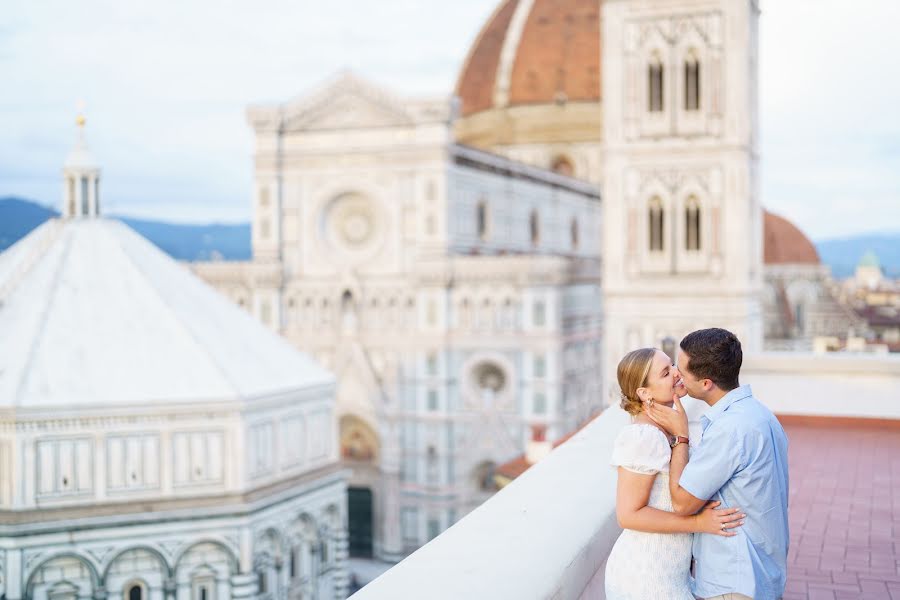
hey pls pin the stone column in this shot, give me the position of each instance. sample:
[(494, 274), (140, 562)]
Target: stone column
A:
[(14, 575), (170, 589), (341, 573)]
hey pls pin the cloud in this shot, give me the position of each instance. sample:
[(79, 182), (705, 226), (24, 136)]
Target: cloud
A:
[(166, 85)]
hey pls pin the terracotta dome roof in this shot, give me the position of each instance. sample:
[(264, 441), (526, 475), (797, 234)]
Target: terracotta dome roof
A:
[(784, 243), (540, 52)]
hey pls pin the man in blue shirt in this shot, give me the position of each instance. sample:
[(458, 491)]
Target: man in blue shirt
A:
[(741, 460)]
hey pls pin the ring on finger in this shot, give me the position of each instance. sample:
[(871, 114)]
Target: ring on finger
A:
[(723, 527)]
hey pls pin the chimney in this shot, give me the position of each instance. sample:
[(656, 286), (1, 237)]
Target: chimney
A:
[(538, 446)]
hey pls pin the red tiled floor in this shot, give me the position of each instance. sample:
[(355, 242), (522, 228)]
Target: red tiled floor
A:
[(844, 512)]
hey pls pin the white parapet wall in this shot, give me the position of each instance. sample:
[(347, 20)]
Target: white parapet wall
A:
[(546, 535), (829, 385)]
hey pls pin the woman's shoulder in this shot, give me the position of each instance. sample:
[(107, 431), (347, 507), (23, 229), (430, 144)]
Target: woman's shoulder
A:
[(642, 448), (643, 432)]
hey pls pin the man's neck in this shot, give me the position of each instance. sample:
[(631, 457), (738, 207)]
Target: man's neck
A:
[(714, 396)]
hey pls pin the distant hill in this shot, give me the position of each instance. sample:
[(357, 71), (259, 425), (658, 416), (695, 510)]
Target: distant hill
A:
[(843, 254), (18, 217), (182, 242), (232, 242)]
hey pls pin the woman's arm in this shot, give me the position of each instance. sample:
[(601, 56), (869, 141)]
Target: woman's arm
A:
[(632, 512)]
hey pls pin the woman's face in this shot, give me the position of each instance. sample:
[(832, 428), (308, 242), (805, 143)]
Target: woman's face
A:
[(663, 381)]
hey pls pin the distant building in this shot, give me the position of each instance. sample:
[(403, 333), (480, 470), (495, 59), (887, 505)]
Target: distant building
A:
[(799, 300), (876, 299), (156, 442)]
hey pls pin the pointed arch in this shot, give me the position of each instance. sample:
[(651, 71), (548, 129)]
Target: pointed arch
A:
[(656, 225), (692, 81), (655, 83), (692, 224)]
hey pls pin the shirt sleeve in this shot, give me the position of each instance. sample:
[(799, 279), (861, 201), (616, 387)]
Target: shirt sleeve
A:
[(713, 462), (641, 449)]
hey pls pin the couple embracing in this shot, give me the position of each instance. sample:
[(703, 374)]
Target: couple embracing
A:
[(702, 518)]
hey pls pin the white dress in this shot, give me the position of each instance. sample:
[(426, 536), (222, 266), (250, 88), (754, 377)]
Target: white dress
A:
[(648, 566)]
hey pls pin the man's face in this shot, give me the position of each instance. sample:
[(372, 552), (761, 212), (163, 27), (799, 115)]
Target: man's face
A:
[(693, 385)]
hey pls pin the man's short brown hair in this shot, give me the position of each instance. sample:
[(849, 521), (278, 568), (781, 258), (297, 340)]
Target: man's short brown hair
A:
[(714, 354)]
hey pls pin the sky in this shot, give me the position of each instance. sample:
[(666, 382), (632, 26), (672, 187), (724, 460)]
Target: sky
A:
[(165, 84)]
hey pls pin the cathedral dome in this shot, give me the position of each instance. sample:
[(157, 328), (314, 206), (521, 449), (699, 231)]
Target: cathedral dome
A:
[(533, 54), (784, 243)]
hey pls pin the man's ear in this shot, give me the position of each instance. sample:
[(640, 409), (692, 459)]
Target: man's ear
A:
[(708, 385)]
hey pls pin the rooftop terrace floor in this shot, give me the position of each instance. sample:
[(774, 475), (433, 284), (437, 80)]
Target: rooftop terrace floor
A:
[(844, 510)]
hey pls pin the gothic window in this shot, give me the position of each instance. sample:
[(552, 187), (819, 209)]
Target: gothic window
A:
[(573, 233), (655, 85), (539, 314), (97, 196), (563, 166), (534, 227), (264, 197), (292, 566), (432, 400), (434, 528), (264, 229), (262, 582), (540, 404), (432, 365), (692, 83), (481, 218), (655, 220), (692, 225), (540, 366), (135, 592), (668, 346)]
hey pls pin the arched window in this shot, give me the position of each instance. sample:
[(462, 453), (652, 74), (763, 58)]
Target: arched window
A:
[(481, 220), (668, 346), (655, 85), (135, 592), (573, 233), (563, 166), (692, 82), (535, 228), (655, 219), (692, 225)]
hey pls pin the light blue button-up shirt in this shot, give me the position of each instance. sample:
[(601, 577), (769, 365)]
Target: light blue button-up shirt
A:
[(741, 461)]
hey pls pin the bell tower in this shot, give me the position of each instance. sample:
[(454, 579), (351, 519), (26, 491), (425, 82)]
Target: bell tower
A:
[(682, 221), (81, 179)]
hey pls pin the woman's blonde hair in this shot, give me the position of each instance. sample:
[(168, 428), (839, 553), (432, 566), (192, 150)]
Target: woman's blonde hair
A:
[(632, 374)]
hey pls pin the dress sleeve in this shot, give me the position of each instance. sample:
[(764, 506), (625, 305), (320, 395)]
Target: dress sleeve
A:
[(641, 449)]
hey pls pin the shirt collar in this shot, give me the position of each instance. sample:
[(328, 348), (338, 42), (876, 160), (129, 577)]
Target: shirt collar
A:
[(735, 395)]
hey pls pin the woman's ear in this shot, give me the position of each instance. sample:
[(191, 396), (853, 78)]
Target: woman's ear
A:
[(643, 394)]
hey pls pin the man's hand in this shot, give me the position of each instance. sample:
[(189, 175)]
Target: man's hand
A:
[(674, 420)]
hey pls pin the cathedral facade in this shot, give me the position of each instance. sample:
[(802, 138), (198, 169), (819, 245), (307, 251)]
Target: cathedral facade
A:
[(472, 268)]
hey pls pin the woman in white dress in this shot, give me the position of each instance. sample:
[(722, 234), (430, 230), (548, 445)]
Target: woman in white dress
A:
[(651, 560)]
